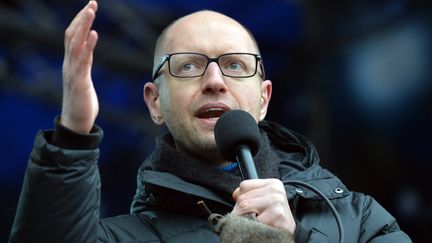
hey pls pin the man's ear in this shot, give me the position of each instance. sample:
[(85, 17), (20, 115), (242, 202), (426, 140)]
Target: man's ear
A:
[(266, 92), (152, 100)]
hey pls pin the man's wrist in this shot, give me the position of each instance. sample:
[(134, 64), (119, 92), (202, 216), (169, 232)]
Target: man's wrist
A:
[(66, 138)]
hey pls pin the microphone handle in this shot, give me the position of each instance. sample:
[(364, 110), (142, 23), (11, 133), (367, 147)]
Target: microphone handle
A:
[(246, 162), (247, 169)]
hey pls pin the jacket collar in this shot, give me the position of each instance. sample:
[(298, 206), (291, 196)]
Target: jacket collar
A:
[(166, 192), (298, 160), (172, 182)]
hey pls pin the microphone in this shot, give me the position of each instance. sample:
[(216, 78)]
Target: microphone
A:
[(238, 138)]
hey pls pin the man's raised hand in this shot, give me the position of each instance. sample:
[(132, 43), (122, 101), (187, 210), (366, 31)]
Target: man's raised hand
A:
[(80, 103)]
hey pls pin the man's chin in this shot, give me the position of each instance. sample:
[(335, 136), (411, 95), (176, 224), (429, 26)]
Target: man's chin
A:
[(206, 145), (207, 123), (206, 149), (205, 136)]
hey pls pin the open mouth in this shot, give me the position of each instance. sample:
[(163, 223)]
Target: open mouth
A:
[(211, 112)]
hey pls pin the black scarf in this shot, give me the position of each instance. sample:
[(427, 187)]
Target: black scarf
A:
[(166, 158)]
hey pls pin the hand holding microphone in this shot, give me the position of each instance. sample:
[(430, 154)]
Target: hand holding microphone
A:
[(237, 136)]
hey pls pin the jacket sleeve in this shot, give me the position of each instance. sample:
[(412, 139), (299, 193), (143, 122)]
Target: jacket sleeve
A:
[(60, 195), (379, 226)]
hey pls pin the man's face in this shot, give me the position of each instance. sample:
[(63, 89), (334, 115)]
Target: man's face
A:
[(190, 107)]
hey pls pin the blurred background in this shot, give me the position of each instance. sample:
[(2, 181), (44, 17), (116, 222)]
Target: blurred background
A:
[(353, 76)]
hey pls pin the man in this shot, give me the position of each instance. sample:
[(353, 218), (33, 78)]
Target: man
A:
[(205, 65)]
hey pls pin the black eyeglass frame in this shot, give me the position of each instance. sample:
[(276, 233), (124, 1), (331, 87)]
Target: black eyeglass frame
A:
[(167, 58)]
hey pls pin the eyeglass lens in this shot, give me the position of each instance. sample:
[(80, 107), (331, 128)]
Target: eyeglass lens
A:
[(193, 64)]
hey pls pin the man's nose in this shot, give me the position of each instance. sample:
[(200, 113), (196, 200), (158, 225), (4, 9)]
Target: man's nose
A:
[(213, 80)]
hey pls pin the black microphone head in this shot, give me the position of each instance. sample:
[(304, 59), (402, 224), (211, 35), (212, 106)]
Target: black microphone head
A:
[(236, 128)]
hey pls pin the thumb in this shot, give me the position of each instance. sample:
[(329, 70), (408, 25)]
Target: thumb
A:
[(235, 193)]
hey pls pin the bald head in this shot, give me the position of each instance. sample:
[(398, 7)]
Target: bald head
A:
[(207, 32)]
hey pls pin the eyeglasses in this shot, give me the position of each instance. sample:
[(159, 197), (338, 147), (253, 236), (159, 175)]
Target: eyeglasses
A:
[(190, 64)]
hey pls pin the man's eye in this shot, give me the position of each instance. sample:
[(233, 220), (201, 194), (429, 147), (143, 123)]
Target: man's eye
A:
[(235, 66), (187, 66)]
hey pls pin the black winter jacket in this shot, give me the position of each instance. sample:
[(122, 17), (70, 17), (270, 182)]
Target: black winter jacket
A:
[(60, 200)]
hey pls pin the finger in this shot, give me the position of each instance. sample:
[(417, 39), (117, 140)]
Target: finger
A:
[(274, 217), (86, 22), (235, 194), (251, 194), (245, 188), (87, 53), (243, 207), (248, 185), (257, 188), (82, 32), (280, 217), (76, 22), (91, 41), (93, 5), (260, 204), (248, 206)]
